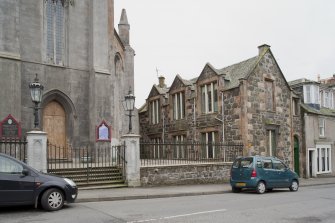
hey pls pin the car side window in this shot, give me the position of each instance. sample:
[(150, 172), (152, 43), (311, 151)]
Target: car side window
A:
[(237, 163), (278, 165), (267, 164), (9, 166), (243, 162), (246, 162)]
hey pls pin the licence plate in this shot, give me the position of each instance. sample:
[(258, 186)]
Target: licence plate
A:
[(240, 184)]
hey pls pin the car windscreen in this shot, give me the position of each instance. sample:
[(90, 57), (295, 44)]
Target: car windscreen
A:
[(243, 162)]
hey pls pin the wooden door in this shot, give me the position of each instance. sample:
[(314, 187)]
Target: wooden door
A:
[(54, 124)]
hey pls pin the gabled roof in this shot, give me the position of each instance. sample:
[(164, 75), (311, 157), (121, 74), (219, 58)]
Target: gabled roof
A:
[(156, 90), (180, 80), (242, 70), (235, 72)]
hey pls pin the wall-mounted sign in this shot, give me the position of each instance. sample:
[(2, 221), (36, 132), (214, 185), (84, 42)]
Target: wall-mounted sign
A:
[(10, 128), (103, 132)]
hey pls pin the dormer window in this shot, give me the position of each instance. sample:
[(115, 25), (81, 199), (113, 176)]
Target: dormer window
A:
[(178, 105), (209, 98), (154, 111), (327, 99), (311, 94)]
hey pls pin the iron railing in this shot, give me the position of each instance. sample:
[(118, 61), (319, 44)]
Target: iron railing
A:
[(68, 157), (188, 152), (14, 147)]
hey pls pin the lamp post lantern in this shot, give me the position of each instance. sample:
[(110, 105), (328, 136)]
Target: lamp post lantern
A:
[(36, 96), (128, 105)]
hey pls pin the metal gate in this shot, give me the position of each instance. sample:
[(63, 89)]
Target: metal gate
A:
[(101, 166)]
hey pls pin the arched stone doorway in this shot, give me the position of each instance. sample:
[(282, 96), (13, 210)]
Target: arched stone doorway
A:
[(54, 123)]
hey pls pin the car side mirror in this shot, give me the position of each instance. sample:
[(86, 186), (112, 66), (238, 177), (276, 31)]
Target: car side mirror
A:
[(25, 172)]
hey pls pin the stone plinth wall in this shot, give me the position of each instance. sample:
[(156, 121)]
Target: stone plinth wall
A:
[(185, 174)]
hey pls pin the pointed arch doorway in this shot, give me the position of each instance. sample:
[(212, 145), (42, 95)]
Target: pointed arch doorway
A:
[(54, 124)]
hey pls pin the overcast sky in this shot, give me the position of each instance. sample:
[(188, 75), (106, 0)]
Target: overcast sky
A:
[(181, 36)]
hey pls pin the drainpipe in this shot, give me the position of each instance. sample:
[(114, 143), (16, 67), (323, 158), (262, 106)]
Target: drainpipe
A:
[(194, 119), (222, 117), (163, 136)]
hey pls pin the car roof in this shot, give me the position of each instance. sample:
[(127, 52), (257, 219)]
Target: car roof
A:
[(262, 157)]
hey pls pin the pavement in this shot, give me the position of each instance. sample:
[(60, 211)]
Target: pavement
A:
[(130, 193)]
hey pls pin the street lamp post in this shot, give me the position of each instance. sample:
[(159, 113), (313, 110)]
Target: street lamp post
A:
[(128, 105), (36, 96)]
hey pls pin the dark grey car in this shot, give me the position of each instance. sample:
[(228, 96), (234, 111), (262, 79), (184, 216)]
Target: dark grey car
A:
[(23, 185)]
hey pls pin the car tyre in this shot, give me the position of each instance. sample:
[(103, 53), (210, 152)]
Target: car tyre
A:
[(236, 189), (52, 200), (294, 186), (260, 188)]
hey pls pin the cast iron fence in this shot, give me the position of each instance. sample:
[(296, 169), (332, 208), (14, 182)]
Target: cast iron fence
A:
[(14, 147), (188, 152), (69, 157)]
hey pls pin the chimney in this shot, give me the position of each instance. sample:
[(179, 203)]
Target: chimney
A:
[(262, 49), (319, 78), (161, 80)]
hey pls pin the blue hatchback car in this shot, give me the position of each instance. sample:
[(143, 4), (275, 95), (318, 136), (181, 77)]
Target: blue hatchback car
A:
[(262, 173)]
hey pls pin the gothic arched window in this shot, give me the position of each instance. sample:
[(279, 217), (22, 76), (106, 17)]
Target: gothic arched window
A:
[(118, 65), (55, 19)]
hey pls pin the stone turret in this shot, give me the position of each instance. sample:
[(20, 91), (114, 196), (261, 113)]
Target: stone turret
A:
[(124, 28)]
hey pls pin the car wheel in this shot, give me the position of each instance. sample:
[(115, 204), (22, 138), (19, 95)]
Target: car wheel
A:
[(52, 200), (294, 185), (260, 189), (236, 189)]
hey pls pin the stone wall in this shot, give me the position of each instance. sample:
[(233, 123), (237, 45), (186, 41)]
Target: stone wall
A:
[(185, 174)]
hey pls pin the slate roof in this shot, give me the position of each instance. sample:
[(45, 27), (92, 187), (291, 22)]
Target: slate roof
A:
[(322, 111), (238, 71), (302, 81)]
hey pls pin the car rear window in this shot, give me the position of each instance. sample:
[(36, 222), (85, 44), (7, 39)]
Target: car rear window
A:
[(243, 162)]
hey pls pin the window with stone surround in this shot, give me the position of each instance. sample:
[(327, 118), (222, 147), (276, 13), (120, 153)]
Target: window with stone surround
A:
[(208, 144), (269, 95), (271, 142), (295, 106), (178, 105), (322, 127), (323, 158), (154, 111), (179, 148), (55, 31), (209, 98)]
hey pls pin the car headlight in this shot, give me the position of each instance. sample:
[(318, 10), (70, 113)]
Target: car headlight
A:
[(70, 182)]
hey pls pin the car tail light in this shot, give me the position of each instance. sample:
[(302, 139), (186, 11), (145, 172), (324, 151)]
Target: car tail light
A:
[(253, 173)]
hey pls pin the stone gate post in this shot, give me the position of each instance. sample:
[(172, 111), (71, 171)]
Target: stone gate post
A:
[(37, 150), (133, 165)]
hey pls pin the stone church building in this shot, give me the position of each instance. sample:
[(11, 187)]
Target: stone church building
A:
[(85, 64), (249, 102)]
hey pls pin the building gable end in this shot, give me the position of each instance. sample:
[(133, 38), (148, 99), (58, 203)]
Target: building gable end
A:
[(154, 92), (177, 84), (207, 73)]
